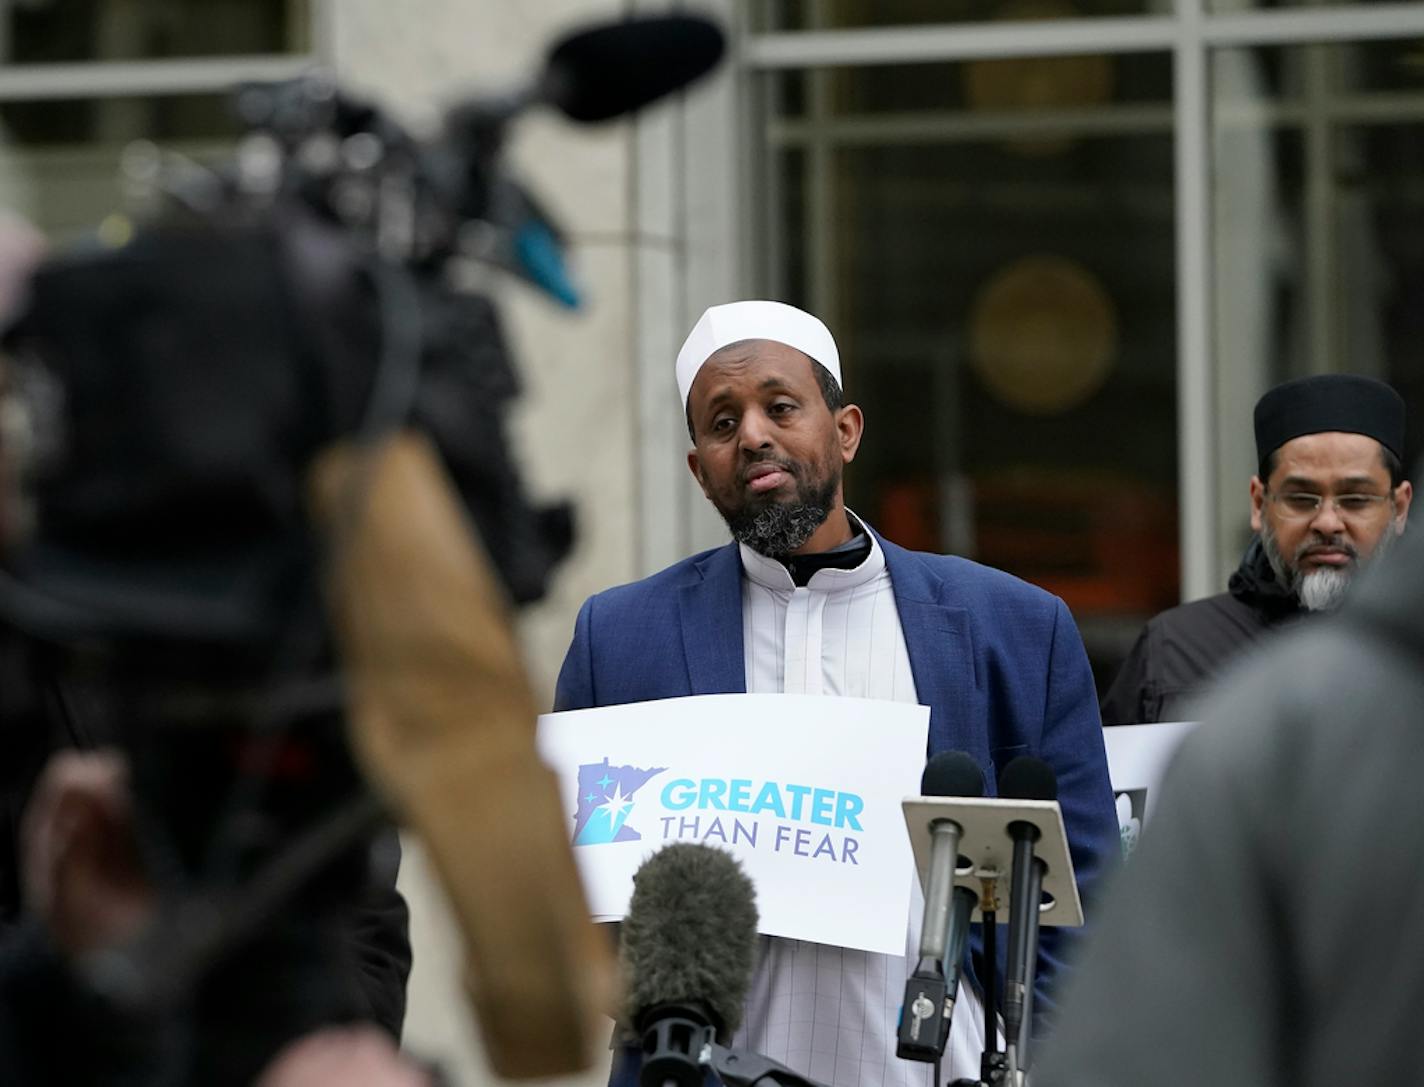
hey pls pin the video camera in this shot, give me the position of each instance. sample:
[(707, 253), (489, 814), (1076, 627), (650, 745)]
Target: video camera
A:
[(179, 391)]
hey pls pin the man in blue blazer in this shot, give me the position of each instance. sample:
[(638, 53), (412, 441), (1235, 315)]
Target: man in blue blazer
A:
[(999, 662)]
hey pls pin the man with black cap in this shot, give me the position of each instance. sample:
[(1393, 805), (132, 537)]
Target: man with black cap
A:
[(809, 599), (1329, 496)]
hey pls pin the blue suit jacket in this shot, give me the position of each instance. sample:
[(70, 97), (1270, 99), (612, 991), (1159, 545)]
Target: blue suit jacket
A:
[(998, 661)]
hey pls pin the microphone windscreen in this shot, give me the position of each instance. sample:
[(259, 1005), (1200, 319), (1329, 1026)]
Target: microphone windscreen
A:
[(952, 773), (1028, 778), (615, 69), (690, 933)]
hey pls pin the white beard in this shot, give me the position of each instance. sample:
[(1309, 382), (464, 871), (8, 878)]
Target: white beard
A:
[(1323, 589)]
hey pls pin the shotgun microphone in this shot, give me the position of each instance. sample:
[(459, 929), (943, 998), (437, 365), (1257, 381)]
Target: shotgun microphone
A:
[(611, 70)]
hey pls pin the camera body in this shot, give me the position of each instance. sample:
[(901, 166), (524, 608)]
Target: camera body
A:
[(299, 308)]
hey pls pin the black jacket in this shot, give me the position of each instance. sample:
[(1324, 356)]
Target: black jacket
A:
[(1182, 650)]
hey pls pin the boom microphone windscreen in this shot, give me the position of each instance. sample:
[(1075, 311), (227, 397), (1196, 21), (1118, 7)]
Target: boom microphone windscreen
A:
[(952, 773), (607, 71), (690, 934), (1028, 778)]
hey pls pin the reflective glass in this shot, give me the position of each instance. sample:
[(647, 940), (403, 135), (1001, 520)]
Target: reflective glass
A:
[(1227, 7), (778, 15), (998, 268), (1318, 217), (59, 161), (50, 31)]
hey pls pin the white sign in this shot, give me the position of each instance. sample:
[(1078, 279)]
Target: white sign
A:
[(804, 790), (1137, 758)]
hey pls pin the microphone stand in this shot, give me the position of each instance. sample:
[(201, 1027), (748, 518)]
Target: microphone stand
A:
[(741, 1068), (1010, 1068), (679, 1044), (993, 1065), (675, 1038), (1043, 891)]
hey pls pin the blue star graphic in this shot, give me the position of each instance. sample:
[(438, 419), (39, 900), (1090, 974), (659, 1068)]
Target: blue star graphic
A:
[(590, 798), (605, 781)]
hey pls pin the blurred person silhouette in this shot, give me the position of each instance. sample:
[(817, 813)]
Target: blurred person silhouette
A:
[(71, 882), (87, 893), (1268, 930), (1329, 497)]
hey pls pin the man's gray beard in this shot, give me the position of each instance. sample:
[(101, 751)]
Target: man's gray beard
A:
[(1323, 589), (779, 528)]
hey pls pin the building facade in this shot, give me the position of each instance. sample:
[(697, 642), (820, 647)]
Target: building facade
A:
[(1064, 245)]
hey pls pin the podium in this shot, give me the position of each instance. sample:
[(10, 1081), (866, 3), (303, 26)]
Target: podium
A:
[(986, 851), (986, 868)]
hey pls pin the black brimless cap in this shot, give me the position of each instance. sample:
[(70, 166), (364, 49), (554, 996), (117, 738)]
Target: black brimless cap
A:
[(1329, 402)]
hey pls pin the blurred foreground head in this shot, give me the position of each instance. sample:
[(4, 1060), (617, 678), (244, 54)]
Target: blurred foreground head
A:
[(1267, 930)]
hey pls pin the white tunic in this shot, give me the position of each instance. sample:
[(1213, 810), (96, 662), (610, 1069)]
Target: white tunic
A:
[(830, 1012)]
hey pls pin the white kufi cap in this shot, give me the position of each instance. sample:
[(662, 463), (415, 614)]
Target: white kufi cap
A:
[(737, 321)]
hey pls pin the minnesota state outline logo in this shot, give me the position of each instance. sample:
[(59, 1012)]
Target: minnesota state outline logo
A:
[(606, 797)]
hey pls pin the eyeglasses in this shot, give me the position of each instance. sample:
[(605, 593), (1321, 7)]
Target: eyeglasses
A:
[(1303, 504)]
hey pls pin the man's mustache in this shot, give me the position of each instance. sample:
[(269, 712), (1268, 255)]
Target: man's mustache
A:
[(1327, 543), (756, 462)]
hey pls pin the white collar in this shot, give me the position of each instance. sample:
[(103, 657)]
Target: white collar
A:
[(771, 574)]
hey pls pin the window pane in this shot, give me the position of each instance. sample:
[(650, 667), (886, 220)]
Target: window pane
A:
[(59, 161), (72, 30), (775, 15), (1319, 234), (118, 120), (998, 269), (1233, 6), (1030, 85)]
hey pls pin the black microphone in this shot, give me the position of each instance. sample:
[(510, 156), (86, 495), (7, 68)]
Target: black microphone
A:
[(1025, 778), (610, 70), (931, 989), (688, 948)]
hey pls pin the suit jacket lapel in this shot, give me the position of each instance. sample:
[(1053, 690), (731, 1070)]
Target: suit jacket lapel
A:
[(711, 611), (941, 648)]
